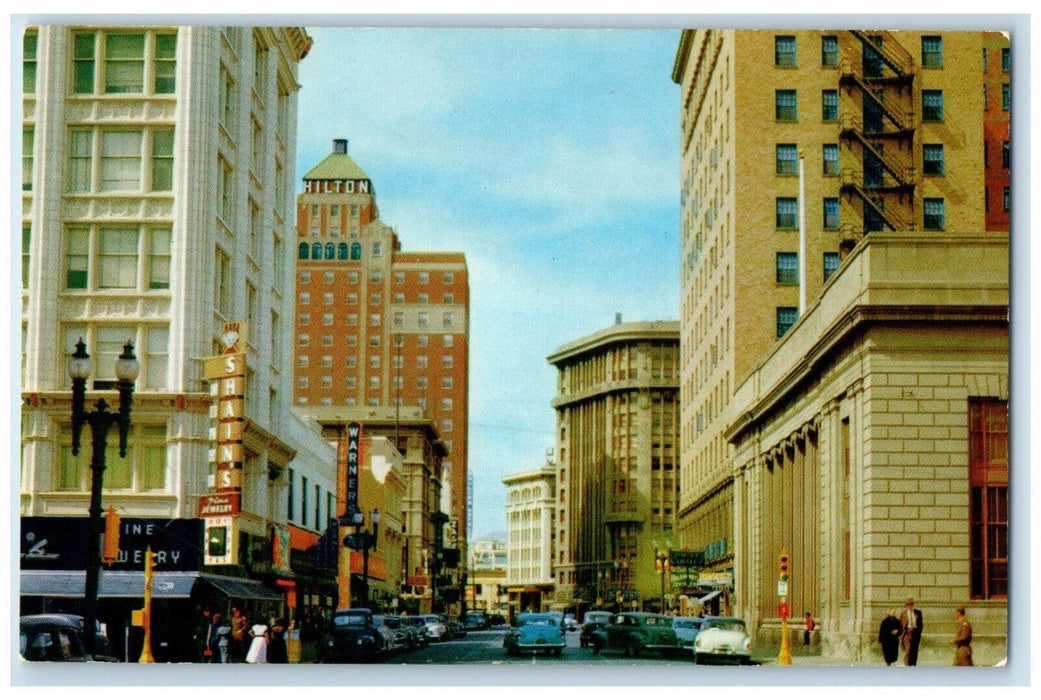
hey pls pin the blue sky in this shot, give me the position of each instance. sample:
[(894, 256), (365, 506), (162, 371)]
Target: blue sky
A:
[(550, 157)]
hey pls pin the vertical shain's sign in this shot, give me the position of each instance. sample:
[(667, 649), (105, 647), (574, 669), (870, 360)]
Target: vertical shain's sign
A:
[(227, 371), (353, 445)]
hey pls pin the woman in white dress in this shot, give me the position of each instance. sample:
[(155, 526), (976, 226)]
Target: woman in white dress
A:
[(257, 653)]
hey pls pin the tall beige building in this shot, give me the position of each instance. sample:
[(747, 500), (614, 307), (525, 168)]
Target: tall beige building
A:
[(530, 513), (618, 468), (797, 146)]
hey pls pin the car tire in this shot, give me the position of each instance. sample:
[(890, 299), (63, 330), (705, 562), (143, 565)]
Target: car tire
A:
[(596, 648), (559, 653)]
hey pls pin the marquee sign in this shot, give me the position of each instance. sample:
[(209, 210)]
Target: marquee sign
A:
[(353, 445)]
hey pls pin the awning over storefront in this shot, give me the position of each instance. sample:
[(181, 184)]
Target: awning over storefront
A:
[(709, 597), (240, 587), (112, 584), (131, 584)]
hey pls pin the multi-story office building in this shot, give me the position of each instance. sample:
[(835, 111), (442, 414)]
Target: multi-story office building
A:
[(375, 325), (797, 147), (530, 511), (618, 464), (156, 208), (487, 570)]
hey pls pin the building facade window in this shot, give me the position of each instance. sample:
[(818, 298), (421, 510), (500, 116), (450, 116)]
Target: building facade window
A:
[(831, 264), (829, 51), (787, 212), (1006, 60), (784, 51), (830, 105), (30, 41), (831, 213), (932, 159), (988, 498), (98, 258), (831, 159), (1006, 97), (785, 107), (786, 318), (787, 155), (932, 52), (787, 268), (143, 469), (932, 105), (933, 214)]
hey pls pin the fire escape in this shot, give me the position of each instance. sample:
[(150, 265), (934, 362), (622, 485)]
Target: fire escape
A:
[(881, 134)]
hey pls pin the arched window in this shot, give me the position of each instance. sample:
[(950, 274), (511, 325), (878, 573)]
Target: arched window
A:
[(356, 251), (330, 251), (316, 251), (341, 252), (303, 251)]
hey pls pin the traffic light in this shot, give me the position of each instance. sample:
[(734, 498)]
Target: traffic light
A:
[(782, 567), (110, 543)]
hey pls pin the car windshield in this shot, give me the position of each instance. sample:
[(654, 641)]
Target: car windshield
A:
[(597, 617), (414, 621), (735, 625), (392, 622), (538, 620), (349, 619), (684, 623)]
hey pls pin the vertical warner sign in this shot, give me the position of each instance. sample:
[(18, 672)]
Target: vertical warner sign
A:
[(353, 445)]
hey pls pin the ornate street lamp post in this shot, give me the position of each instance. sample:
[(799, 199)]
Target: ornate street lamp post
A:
[(100, 420), (363, 541)]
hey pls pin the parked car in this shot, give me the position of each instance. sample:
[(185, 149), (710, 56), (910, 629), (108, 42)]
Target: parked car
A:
[(592, 621), (723, 639), (352, 638), (58, 637), (395, 635), (571, 622), (436, 629), (686, 629), (475, 621), (534, 632), (419, 629), (453, 628), (635, 633)]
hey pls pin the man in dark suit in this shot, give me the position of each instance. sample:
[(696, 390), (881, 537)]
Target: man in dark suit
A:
[(911, 632)]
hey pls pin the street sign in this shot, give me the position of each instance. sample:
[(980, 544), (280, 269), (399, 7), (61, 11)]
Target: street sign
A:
[(784, 611), (681, 559), (782, 588)]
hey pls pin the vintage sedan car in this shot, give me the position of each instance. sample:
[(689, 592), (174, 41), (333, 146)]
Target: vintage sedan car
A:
[(352, 638), (533, 633), (436, 629), (475, 621), (686, 629), (58, 637), (395, 635), (418, 627), (592, 621), (635, 633), (723, 639)]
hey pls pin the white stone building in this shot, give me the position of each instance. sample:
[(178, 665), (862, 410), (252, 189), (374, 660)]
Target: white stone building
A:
[(530, 509), (157, 206)]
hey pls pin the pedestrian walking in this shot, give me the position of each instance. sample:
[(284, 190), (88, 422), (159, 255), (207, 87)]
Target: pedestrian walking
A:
[(808, 631), (237, 645), (277, 652), (889, 637), (912, 627), (200, 635), (257, 653), (212, 653), (962, 639)]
